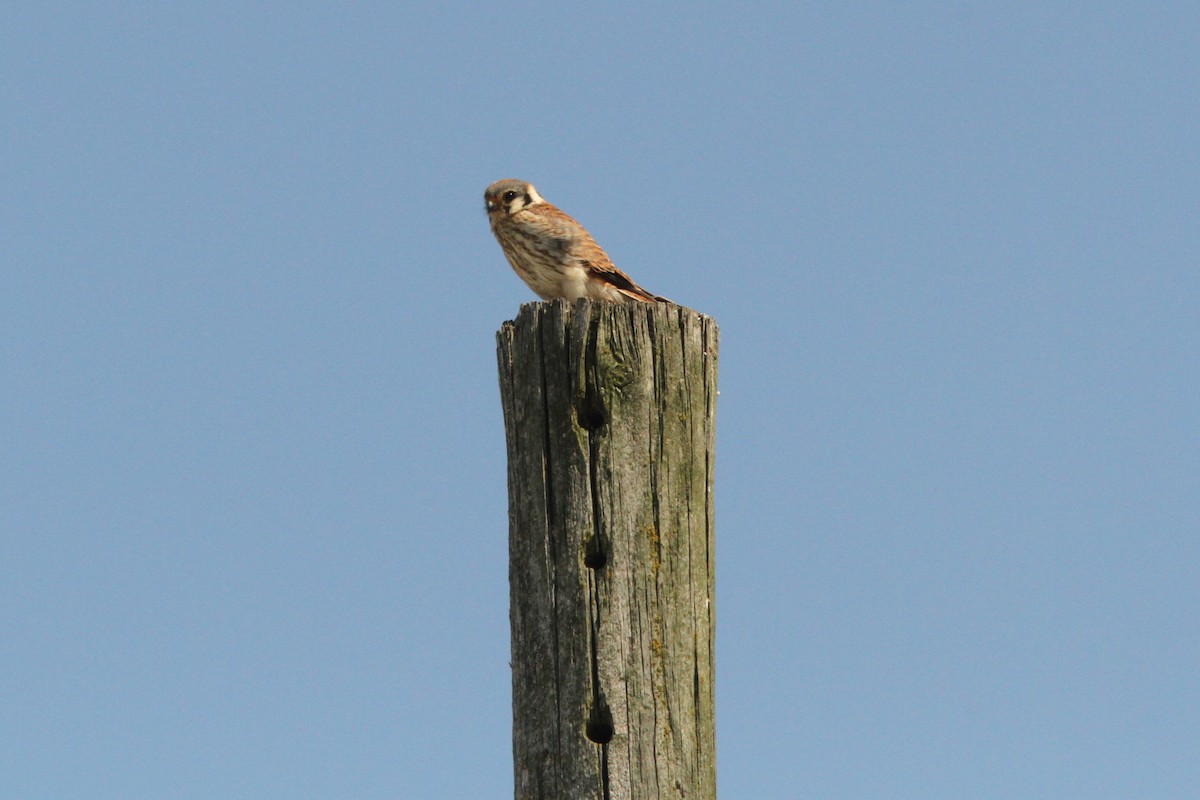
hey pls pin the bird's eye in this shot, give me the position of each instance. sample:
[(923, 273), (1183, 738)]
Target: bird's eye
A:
[(510, 195)]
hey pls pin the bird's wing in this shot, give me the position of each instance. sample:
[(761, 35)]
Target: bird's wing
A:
[(608, 273), (572, 239)]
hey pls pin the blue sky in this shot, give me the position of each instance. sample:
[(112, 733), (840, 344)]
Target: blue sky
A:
[(252, 501)]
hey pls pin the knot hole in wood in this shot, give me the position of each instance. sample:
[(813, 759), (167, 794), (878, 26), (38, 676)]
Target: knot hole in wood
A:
[(591, 414), (600, 727), (594, 556)]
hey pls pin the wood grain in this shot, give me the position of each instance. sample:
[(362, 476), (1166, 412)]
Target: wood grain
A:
[(609, 416)]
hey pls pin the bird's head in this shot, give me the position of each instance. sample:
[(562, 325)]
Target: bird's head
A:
[(506, 197)]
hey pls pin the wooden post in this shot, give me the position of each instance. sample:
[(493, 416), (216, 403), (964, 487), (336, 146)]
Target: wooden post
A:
[(609, 412)]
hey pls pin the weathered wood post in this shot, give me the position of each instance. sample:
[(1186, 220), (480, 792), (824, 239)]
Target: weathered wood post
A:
[(609, 412)]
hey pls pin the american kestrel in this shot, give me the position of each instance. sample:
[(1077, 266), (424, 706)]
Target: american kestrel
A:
[(551, 252)]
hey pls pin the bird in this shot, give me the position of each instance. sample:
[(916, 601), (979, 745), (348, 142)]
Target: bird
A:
[(555, 255)]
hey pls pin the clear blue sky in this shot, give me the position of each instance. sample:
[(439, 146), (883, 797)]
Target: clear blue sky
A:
[(252, 499)]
